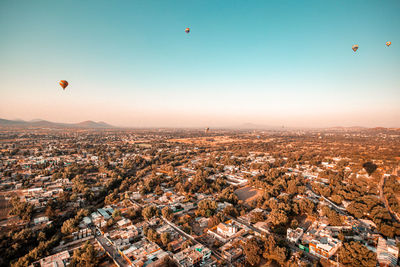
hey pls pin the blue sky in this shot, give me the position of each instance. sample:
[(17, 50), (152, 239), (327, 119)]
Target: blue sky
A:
[(130, 63)]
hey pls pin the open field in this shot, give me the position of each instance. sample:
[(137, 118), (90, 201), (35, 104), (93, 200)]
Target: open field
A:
[(215, 140), (248, 193)]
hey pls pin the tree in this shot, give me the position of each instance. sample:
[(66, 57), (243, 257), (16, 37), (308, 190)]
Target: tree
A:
[(149, 212), (23, 210), (165, 238), (69, 226), (231, 211), (292, 187), (252, 251), (333, 217), (116, 214), (277, 217), (257, 217), (356, 254), (206, 208), (273, 252), (152, 235), (50, 212), (158, 191), (294, 224), (85, 256), (41, 236), (166, 212)]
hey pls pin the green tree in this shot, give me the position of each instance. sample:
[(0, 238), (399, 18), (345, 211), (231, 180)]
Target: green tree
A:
[(165, 238), (69, 226), (252, 251), (149, 212), (356, 254), (85, 256), (166, 212)]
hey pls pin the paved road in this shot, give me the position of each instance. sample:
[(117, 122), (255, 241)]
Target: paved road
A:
[(182, 233), (112, 251), (384, 199), (72, 245), (338, 209), (292, 246)]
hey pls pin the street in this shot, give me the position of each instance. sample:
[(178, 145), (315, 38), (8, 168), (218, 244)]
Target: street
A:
[(112, 251), (187, 236)]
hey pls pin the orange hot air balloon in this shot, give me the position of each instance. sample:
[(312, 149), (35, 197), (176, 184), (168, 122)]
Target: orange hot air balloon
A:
[(388, 43), (187, 30), (63, 84), (354, 47)]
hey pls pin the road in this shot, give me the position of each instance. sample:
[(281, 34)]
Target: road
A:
[(338, 209), (246, 224), (381, 185), (292, 246), (112, 251), (187, 236), (72, 245)]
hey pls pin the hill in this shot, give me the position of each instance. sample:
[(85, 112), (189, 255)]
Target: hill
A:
[(48, 124)]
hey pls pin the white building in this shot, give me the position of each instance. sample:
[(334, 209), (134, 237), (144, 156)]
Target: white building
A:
[(294, 235)]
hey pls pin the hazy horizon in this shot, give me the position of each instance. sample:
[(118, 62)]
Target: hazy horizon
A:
[(238, 125), (269, 63)]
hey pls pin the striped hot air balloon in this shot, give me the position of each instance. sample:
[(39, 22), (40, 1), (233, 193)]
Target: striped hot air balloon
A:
[(354, 47), (63, 84), (388, 43)]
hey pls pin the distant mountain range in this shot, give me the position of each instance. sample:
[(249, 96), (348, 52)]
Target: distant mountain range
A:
[(38, 123)]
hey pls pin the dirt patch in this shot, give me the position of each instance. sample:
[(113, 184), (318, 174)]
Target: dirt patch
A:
[(248, 193)]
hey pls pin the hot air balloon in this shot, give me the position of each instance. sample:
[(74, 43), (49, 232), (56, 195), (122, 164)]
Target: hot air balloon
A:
[(388, 43), (63, 84), (355, 47), (206, 130), (187, 30)]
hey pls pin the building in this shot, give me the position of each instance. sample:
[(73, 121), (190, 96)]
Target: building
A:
[(196, 255), (188, 257), (231, 252), (226, 230), (203, 250), (143, 253), (294, 235), (387, 252), (324, 246), (40, 220), (60, 260)]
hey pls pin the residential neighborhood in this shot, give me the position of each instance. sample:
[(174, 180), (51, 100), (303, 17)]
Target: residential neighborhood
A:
[(183, 198)]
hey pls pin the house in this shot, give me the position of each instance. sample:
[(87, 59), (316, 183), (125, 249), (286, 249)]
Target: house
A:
[(324, 246), (231, 252), (293, 235), (40, 220), (203, 222), (188, 257), (206, 252), (227, 230), (124, 223), (60, 259)]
